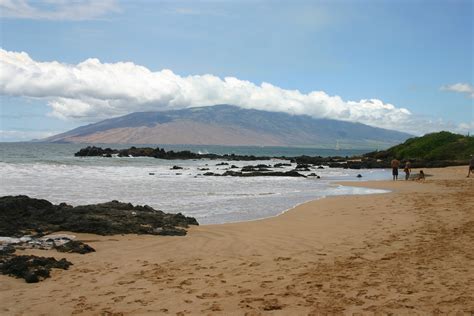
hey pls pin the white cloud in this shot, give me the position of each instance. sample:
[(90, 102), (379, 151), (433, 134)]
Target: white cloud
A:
[(464, 88), (56, 9), (92, 90)]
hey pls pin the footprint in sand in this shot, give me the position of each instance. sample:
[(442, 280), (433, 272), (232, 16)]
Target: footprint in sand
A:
[(186, 282), (118, 299), (207, 295), (244, 291), (110, 313), (282, 259), (272, 304), (213, 308)]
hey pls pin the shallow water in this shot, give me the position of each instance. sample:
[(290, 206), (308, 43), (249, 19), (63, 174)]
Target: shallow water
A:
[(51, 171)]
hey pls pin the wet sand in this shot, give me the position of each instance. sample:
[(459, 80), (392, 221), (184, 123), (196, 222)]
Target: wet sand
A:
[(410, 251)]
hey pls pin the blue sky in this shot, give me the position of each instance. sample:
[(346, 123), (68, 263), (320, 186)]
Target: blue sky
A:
[(414, 55)]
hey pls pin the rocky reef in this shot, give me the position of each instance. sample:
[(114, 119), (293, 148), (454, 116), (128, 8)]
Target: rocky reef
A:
[(22, 215), (260, 173), (27, 221), (35, 268), (368, 161), (92, 151)]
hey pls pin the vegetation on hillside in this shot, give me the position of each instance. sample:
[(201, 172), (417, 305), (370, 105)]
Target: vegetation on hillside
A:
[(430, 147)]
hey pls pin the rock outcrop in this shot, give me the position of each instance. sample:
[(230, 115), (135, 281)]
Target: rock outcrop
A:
[(22, 215), (304, 163), (160, 153), (31, 268), (75, 246), (291, 173)]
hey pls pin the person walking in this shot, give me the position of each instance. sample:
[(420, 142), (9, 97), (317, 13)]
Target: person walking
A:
[(407, 169), (395, 165), (471, 166)]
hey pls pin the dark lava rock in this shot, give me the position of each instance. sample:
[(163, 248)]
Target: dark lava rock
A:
[(75, 246), (159, 153), (210, 174), (203, 169), (367, 161), (359, 176), (314, 175), (233, 167), (291, 173), (176, 168), (22, 215), (95, 151), (302, 166), (320, 167), (222, 164), (337, 165), (31, 268), (260, 167), (280, 165), (170, 231), (7, 250)]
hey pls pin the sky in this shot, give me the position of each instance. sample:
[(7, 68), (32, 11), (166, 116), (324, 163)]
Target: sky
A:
[(403, 65)]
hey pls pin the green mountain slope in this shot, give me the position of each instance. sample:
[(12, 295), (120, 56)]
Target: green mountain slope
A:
[(430, 147)]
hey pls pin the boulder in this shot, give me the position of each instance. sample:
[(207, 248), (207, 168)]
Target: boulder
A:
[(291, 173), (31, 268), (75, 246), (255, 168), (303, 166), (281, 165)]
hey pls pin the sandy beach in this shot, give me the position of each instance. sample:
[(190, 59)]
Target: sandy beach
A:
[(409, 251)]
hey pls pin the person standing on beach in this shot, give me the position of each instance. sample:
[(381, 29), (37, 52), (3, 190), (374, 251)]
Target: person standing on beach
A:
[(471, 166), (395, 164), (407, 169)]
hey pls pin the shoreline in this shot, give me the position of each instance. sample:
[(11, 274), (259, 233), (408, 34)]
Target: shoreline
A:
[(405, 251), (310, 201)]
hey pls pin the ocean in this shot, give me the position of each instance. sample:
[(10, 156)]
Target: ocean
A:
[(51, 172)]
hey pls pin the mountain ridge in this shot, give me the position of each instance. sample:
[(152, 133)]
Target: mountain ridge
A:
[(230, 125)]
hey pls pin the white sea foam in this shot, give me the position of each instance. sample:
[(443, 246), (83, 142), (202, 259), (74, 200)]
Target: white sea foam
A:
[(209, 199)]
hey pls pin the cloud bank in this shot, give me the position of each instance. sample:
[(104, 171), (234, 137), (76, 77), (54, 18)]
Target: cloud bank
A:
[(464, 88), (92, 90), (56, 9)]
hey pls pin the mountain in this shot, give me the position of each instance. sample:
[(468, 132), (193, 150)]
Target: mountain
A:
[(230, 125), (431, 147)]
